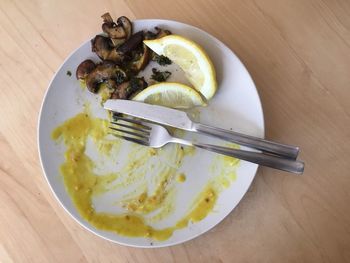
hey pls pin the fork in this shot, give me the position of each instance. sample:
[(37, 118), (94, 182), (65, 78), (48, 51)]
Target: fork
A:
[(156, 136)]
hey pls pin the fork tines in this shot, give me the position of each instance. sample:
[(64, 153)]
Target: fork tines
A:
[(135, 130)]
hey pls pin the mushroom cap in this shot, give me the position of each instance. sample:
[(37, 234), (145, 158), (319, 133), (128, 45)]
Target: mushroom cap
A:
[(85, 68), (113, 30), (126, 24), (142, 62), (103, 72), (104, 49), (132, 42)]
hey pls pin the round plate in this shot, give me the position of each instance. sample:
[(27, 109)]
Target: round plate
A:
[(235, 106)]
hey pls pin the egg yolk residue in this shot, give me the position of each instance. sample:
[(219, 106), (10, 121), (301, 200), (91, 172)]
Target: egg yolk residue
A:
[(83, 182)]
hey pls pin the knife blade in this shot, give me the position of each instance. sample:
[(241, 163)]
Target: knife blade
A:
[(155, 113), (180, 120)]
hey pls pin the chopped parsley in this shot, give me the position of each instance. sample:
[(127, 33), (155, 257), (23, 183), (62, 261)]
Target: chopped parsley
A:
[(161, 60), (69, 73), (160, 76)]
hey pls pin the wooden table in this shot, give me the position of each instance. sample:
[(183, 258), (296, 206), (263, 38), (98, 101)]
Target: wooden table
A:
[(298, 53)]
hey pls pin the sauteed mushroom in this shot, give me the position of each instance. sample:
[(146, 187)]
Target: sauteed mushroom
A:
[(121, 91), (103, 72), (84, 68), (123, 55), (131, 43), (126, 24), (142, 62), (126, 89), (118, 33), (103, 48), (112, 29)]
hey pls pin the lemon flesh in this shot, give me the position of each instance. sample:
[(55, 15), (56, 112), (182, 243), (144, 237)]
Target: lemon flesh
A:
[(191, 58), (169, 94)]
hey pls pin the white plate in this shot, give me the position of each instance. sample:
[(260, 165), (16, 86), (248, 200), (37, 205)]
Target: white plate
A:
[(236, 105)]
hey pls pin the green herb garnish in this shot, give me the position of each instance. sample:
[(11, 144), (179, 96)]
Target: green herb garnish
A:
[(160, 76), (161, 60), (69, 73)]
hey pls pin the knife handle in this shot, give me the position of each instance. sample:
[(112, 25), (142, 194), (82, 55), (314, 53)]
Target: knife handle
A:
[(288, 165), (284, 150)]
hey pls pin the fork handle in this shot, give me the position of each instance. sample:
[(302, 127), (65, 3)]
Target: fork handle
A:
[(279, 163), (284, 150)]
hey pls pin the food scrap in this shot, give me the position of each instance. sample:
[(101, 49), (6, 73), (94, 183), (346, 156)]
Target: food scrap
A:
[(160, 76), (123, 55), (84, 184), (161, 60)]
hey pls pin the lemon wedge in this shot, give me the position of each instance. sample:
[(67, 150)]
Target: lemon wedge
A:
[(170, 94), (191, 58)]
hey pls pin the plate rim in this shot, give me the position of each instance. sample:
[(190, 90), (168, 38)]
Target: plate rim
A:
[(160, 245)]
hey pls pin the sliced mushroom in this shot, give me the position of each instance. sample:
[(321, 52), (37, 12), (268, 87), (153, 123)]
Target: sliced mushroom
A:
[(85, 68), (117, 42), (131, 43), (103, 72), (126, 89), (108, 63), (121, 30), (121, 91), (111, 84), (116, 56), (123, 55), (112, 29), (103, 48), (126, 24), (138, 84), (142, 62)]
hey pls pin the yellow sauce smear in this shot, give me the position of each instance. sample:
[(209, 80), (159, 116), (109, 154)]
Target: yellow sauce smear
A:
[(82, 183), (181, 178), (203, 205)]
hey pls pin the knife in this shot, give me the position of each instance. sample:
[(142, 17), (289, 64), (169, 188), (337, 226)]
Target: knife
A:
[(180, 120)]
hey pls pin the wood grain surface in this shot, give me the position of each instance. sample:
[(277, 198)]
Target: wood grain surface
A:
[(298, 53)]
